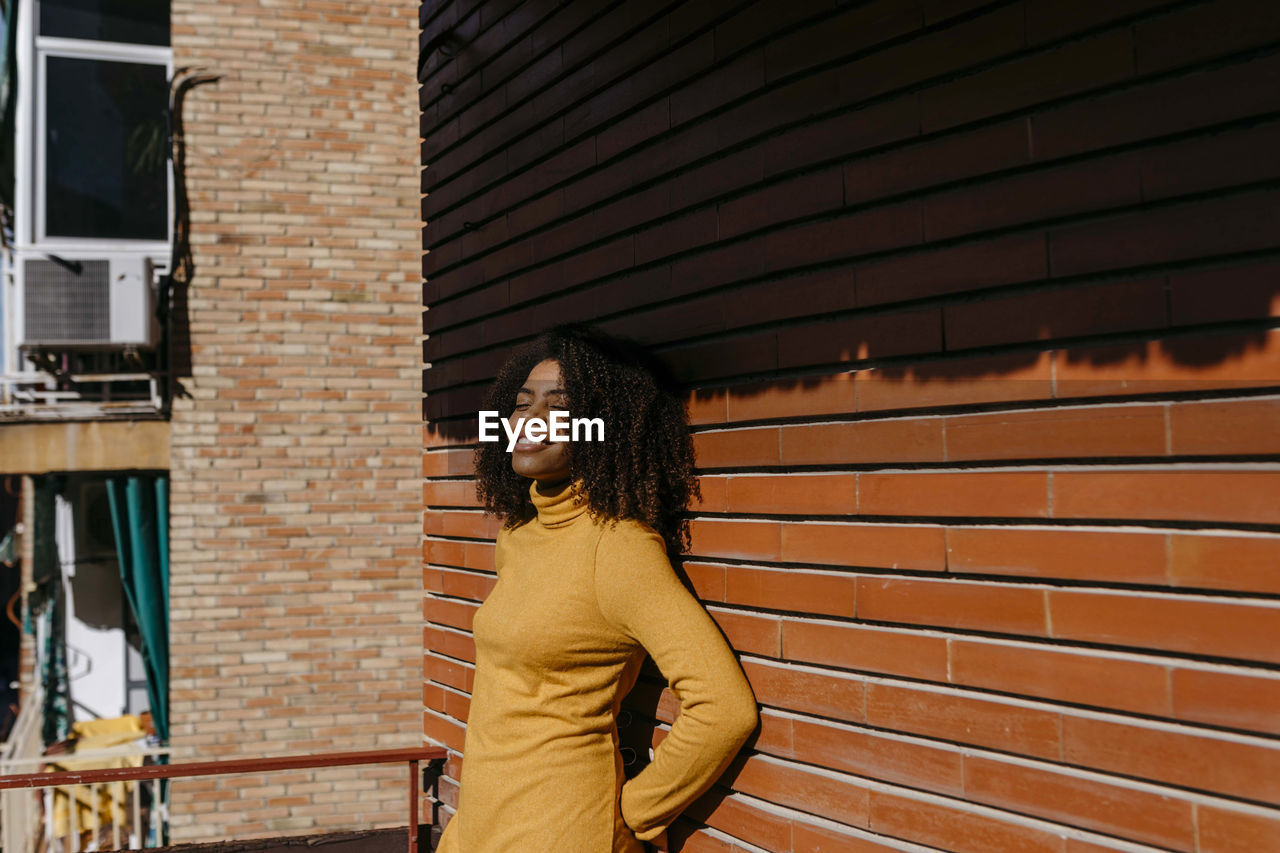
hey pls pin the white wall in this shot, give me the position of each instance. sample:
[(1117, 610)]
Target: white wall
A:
[(96, 655)]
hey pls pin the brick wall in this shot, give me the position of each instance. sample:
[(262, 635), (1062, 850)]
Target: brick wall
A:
[(976, 306), (296, 500)]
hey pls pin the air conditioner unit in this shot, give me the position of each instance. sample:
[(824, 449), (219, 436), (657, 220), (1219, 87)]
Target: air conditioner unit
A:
[(101, 303)]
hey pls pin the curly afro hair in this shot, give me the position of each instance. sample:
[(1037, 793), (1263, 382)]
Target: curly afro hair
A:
[(642, 470)]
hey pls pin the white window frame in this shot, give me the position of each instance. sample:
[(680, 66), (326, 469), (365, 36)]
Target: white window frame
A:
[(44, 47), (29, 238)]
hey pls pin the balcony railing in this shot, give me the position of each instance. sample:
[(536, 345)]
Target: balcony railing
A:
[(138, 826), (79, 393), (110, 783)]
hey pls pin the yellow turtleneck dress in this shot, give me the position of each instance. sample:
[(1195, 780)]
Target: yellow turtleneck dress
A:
[(559, 643)]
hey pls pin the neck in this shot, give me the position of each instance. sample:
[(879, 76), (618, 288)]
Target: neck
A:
[(548, 487)]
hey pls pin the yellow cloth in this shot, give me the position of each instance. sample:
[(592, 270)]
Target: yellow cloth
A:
[(559, 642), (109, 799)]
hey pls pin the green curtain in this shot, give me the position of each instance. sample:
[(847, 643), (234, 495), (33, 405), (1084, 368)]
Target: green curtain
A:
[(140, 515), (47, 602), (53, 672)]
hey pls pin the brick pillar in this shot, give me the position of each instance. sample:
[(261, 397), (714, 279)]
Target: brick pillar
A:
[(296, 504)]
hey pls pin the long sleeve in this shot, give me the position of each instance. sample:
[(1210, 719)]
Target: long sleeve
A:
[(640, 595)]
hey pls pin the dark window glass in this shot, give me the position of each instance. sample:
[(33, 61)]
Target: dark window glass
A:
[(130, 21), (106, 149)]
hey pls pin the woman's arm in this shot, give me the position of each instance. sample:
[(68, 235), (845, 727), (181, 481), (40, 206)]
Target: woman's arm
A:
[(641, 596)]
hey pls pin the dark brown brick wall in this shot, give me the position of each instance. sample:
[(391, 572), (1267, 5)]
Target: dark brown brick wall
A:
[(976, 307)]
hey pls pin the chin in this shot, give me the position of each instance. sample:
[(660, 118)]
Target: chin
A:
[(537, 473), (538, 469)]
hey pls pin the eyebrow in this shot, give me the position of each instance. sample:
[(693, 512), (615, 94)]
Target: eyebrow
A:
[(552, 391)]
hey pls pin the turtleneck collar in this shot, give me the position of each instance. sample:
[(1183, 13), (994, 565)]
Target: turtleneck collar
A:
[(557, 508)]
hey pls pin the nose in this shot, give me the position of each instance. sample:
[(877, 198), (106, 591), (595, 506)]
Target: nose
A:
[(539, 409)]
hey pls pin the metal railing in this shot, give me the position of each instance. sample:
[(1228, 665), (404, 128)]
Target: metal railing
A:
[(41, 396), (121, 800), (104, 779)]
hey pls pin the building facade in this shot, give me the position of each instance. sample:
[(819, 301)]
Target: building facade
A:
[(975, 305), (276, 392)]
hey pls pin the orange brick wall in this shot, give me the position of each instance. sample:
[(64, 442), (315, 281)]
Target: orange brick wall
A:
[(976, 304), (296, 501)]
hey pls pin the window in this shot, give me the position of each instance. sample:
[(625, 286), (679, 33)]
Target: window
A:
[(105, 149), (128, 21), (102, 136)]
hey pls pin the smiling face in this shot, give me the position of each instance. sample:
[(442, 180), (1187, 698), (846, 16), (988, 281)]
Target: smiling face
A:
[(542, 393)]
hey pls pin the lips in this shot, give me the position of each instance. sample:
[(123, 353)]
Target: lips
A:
[(524, 445)]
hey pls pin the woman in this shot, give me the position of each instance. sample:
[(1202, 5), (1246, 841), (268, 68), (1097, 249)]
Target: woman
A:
[(585, 588)]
